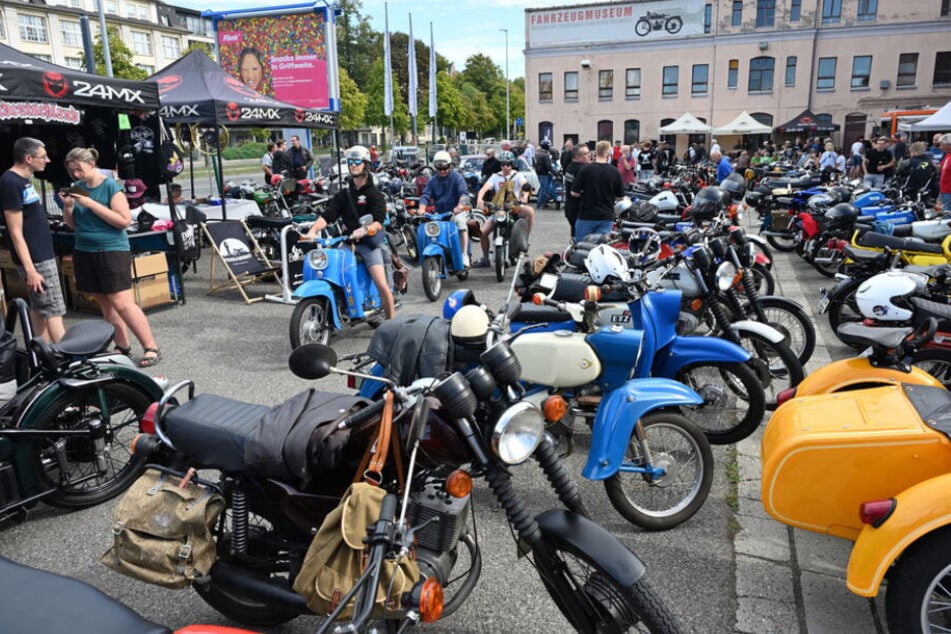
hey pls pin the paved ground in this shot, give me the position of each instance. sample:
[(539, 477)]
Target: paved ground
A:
[(722, 571)]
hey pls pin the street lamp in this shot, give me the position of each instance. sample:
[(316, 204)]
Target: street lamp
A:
[(508, 130)]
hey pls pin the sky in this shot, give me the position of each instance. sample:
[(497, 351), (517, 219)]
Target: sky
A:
[(460, 27)]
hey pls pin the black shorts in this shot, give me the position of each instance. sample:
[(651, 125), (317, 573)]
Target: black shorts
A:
[(103, 271)]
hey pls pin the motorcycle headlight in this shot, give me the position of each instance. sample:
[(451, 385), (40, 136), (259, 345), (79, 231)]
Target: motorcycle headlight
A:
[(517, 433), (432, 229), (725, 274), (500, 215), (317, 259)]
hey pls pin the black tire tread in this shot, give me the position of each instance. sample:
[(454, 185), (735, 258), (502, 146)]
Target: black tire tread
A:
[(756, 409)]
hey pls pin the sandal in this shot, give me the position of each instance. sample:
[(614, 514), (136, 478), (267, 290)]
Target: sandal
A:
[(148, 362), (124, 351)]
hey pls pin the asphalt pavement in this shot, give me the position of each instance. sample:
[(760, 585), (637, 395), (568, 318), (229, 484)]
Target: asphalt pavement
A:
[(730, 568)]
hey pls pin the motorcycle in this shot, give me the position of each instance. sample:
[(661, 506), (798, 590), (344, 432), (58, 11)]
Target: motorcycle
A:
[(65, 431), (658, 22), (509, 237), (440, 250), (337, 289), (439, 440)]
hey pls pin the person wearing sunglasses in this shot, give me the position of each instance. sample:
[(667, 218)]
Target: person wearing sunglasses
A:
[(359, 198), (509, 186), (447, 191)]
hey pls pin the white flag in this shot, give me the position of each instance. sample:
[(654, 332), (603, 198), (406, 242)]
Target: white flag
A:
[(432, 73), (411, 66), (387, 75)]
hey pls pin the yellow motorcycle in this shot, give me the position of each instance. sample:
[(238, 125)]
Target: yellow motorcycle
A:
[(910, 250)]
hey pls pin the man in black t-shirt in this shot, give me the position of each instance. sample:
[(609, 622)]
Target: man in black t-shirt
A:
[(281, 163), (580, 157), (878, 164), (29, 238), (599, 186)]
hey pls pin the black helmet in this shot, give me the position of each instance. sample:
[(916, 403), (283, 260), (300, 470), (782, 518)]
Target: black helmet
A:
[(820, 202), (754, 199), (763, 190), (843, 194), (734, 185), (545, 144), (841, 216), (708, 203)]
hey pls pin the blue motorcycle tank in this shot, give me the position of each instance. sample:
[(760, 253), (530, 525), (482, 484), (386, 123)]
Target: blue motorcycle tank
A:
[(868, 199), (618, 349)]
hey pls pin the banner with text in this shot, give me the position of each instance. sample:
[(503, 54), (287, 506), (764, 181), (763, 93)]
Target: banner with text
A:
[(620, 23)]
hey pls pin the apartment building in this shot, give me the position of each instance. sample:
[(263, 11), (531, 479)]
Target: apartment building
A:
[(621, 70), (156, 32)]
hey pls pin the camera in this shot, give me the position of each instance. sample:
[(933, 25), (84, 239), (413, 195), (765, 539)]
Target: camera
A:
[(586, 63)]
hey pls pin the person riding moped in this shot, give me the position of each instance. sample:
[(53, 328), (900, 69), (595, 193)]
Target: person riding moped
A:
[(361, 197), (507, 185), (448, 192)]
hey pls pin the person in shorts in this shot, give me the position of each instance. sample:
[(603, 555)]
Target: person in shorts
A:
[(98, 211), (29, 238)]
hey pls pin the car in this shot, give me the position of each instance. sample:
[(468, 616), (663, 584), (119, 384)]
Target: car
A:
[(406, 154), (471, 163)]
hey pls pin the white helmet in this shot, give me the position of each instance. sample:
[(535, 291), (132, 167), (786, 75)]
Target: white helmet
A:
[(603, 262), (883, 297), (469, 326), (621, 206), (358, 152), (443, 157)]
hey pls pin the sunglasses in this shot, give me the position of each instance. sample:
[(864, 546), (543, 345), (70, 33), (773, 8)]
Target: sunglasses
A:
[(506, 164), (354, 161), (441, 166)]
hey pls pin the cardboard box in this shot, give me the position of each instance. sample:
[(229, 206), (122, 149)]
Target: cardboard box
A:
[(149, 265), (152, 291)]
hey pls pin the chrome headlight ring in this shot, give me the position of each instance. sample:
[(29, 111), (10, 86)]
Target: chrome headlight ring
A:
[(517, 433)]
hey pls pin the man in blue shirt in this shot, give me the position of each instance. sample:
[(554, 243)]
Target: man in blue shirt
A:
[(724, 167), (447, 191)]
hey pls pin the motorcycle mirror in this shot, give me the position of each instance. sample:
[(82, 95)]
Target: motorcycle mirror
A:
[(312, 361)]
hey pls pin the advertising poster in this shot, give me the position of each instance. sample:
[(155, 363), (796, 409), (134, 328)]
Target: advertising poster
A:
[(282, 56), (616, 22)]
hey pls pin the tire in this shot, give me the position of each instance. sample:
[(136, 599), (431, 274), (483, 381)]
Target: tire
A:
[(661, 503), (918, 587), (765, 250), (72, 410), (673, 25), (432, 283), (500, 262), (642, 28), (936, 362), (782, 243), (794, 323), (734, 400), (611, 606), (830, 268), (775, 364), (409, 239), (271, 248), (765, 282), (311, 322), (843, 308)]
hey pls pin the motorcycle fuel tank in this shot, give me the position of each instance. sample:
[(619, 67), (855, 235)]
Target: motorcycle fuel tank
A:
[(557, 359)]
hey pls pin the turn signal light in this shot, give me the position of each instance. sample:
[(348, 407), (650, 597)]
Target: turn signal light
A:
[(875, 512), (459, 484), (147, 424), (430, 601), (696, 305), (538, 299), (135, 441), (592, 293), (785, 395), (555, 408)]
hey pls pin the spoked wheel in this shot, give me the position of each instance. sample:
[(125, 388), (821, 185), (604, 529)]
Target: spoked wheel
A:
[(71, 464), (843, 308), (794, 324), (500, 262), (763, 278), (775, 365), (936, 362), (409, 239), (610, 606), (828, 260), (783, 243), (683, 460), (311, 322), (733, 400), (673, 25), (432, 283), (642, 28), (918, 600)]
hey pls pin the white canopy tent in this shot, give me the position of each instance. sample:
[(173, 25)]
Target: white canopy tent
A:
[(938, 122), (743, 124), (685, 124)]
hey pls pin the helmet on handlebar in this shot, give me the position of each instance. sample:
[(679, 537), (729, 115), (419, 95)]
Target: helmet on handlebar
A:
[(884, 297), (456, 300), (357, 152), (734, 185), (622, 206), (603, 262), (841, 216), (707, 203), (469, 326)]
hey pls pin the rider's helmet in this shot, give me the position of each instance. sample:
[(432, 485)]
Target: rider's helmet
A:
[(506, 157), (708, 203), (734, 185), (469, 326), (841, 216), (884, 297), (357, 152), (621, 206), (546, 144), (603, 262), (442, 160)]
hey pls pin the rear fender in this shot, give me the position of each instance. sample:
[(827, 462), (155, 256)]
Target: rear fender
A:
[(690, 349), (319, 288), (920, 510), (763, 330), (778, 299), (602, 547), (618, 413)]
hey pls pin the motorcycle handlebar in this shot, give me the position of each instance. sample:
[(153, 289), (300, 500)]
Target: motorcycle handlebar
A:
[(362, 416)]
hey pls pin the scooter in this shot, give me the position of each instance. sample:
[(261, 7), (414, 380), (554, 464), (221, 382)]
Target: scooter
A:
[(337, 289), (440, 251), (871, 466)]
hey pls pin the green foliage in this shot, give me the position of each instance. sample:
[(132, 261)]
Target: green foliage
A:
[(353, 103), (119, 53), (374, 93), (482, 73), (204, 47), (244, 151)]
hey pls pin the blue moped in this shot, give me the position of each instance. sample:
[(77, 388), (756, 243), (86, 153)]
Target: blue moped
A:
[(337, 289), (440, 251)]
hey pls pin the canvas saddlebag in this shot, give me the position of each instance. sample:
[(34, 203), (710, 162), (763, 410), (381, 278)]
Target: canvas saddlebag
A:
[(162, 531)]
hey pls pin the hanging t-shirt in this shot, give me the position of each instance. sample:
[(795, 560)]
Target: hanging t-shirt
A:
[(92, 232), (19, 194)]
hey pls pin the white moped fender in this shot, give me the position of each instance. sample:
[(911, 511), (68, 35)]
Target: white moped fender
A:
[(764, 330)]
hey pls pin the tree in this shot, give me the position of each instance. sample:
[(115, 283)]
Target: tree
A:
[(120, 54), (204, 47), (482, 73), (451, 109), (353, 103), (358, 45), (374, 93)]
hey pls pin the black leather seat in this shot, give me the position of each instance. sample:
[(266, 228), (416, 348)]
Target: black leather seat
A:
[(260, 222), (85, 338), (863, 256), (857, 333), (532, 314), (668, 219), (879, 240), (213, 430)]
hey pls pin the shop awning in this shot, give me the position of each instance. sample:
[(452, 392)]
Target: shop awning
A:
[(806, 123), (686, 124), (743, 124)]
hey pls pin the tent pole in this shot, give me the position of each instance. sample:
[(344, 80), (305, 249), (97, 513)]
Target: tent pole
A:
[(221, 182)]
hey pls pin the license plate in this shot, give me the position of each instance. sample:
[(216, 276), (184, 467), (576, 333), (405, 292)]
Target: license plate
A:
[(823, 301)]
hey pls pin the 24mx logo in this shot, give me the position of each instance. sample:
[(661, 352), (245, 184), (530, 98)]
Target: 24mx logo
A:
[(187, 110), (326, 118), (108, 93)]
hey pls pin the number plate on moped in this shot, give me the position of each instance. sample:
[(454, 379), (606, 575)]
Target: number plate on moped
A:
[(824, 300)]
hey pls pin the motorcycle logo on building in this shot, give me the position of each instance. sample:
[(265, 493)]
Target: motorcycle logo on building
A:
[(55, 84), (658, 22)]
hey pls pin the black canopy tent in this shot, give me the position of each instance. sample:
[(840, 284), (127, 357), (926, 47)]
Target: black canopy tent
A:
[(807, 123), (196, 90)]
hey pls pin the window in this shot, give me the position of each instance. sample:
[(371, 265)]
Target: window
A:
[(831, 11), (708, 17), (861, 71), (110, 7), (3, 29), (171, 47), (632, 131), (130, 11), (765, 13), (165, 20), (32, 28), (942, 68), (737, 13), (761, 74), (733, 73), (75, 62), (826, 78), (571, 86), (605, 130), (671, 79), (42, 58), (698, 82), (868, 10), (605, 85), (72, 36), (143, 12), (197, 25), (791, 70), (544, 87), (141, 43), (795, 9), (632, 83), (945, 8), (907, 69), (76, 4), (147, 68)]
